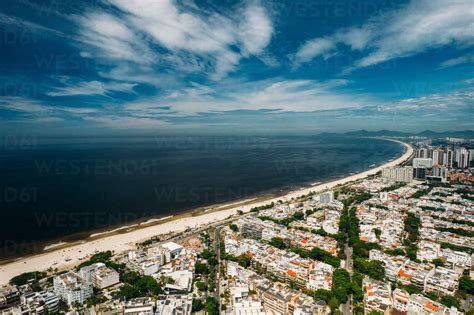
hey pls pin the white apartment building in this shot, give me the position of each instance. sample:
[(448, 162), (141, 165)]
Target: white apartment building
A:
[(326, 197), (455, 257), (462, 157), (398, 174), (174, 305), (422, 163), (438, 156), (442, 281), (105, 277), (420, 305), (149, 267), (400, 300), (377, 297), (173, 248), (139, 306), (428, 250), (99, 275), (72, 288), (248, 307)]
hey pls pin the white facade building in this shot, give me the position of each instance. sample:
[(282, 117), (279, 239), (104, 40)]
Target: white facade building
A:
[(398, 174), (422, 163), (105, 277), (72, 288)]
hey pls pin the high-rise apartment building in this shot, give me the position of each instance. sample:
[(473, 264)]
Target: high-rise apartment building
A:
[(462, 157), (438, 157), (422, 163), (399, 174)]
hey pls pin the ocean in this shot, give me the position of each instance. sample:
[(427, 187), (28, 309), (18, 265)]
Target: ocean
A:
[(65, 189)]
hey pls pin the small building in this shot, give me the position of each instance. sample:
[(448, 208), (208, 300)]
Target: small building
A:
[(174, 305), (139, 306), (173, 248)]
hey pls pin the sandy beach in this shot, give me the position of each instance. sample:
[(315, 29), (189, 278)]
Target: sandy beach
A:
[(56, 258)]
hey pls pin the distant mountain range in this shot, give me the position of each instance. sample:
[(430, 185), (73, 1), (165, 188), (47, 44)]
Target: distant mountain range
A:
[(391, 133)]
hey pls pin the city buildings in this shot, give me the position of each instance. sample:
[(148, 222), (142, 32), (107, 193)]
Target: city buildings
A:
[(280, 259), (377, 297), (174, 305), (72, 288), (99, 275)]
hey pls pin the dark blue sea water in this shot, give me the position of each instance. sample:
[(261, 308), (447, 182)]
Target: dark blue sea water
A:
[(54, 189)]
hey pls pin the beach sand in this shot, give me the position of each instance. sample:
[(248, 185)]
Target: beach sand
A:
[(56, 257)]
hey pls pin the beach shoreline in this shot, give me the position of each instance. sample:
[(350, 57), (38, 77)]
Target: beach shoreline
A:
[(122, 239)]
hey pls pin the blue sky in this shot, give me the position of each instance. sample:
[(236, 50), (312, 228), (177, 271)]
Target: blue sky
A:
[(208, 66)]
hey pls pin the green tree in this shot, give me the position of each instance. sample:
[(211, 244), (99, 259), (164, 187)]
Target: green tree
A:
[(101, 257), (356, 287), (333, 303), (130, 277), (212, 307), (378, 232), (26, 277), (395, 252), (201, 286), (322, 295), (201, 268), (449, 301), (466, 285), (341, 284), (197, 305), (372, 268), (278, 242), (96, 299)]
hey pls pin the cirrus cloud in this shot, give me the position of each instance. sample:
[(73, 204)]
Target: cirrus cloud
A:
[(416, 28)]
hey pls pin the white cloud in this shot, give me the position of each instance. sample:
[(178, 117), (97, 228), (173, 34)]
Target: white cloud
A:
[(419, 26), (461, 101), (193, 40), (92, 88), (19, 104), (280, 95), (113, 38), (30, 26), (314, 48), (458, 61), (255, 30), (48, 119), (119, 122)]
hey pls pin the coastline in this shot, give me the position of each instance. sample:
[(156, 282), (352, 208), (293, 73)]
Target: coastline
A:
[(123, 238)]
